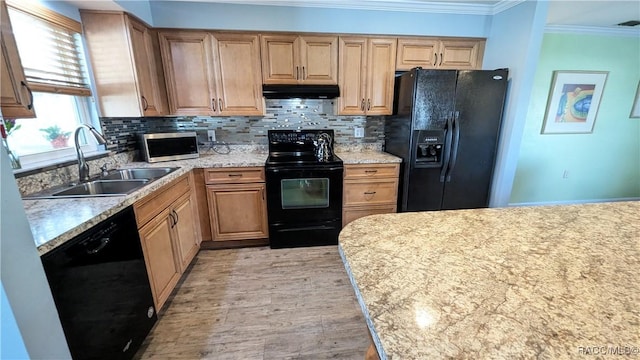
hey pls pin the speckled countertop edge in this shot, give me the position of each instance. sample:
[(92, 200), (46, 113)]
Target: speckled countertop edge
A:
[(55, 221)]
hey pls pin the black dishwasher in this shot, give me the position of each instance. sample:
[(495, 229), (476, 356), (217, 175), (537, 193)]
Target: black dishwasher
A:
[(101, 290)]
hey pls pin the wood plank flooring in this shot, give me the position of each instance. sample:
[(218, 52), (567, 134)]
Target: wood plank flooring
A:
[(261, 303)]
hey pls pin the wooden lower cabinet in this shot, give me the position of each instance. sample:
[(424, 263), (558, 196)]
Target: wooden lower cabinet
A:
[(162, 266), (369, 189), (237, 205), (238, 211), (170, 235)]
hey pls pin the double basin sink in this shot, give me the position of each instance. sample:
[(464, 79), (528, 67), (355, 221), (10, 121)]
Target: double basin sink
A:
[(115, 183)]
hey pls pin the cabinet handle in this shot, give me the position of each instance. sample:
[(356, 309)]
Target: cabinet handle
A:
[(235, 175), (440, 59), (304, 75), (145, 104), (220, 104), (30, 106), (368, 104), (371, 171), (369, 192), (173, 220), (177, 217), (435, 60), (362, 105), (262, 193), (213, 104), (297, 72)]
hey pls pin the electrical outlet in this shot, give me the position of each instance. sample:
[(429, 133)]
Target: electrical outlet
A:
[(211, 135), (358, 132), (565, 174)]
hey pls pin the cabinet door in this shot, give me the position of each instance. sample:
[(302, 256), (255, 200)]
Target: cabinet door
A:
[(188, 68), (157, 245), (237, 211), (414, 52), (319, 59), (461, 54), (279, 59), (187, 239), (352, 59), (381, 73), (146, 69), (16, 100), (239, 76)]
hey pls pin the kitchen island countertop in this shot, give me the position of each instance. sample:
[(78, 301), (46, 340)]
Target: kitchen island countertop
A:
[(54, 221), (547, 282)]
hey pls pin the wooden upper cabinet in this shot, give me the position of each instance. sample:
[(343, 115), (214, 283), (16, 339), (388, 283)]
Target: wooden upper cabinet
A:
[(434, 53), (187, 58), (366, 75), (212, 74), (239, 84), (146, 53), (292, 59), (16, 100), (133, 85)]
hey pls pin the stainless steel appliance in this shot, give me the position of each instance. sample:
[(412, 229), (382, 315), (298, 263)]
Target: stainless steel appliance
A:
[(101, 289), (169, 146), (445, 127), (304, 188)]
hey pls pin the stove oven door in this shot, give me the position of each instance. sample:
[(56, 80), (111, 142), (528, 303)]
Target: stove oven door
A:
[(304, 204)]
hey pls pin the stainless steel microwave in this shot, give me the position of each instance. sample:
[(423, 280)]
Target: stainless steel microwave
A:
[(169, 146)]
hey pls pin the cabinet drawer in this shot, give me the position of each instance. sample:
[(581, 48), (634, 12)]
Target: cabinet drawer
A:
[(351, 213), (234, 175), (371, 171), (159, 200), (364, 192)]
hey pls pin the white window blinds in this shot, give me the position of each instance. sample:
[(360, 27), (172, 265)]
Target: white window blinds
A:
[(51, 54)]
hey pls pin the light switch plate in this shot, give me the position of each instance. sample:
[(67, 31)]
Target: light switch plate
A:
[(211, 135), (358, 132)]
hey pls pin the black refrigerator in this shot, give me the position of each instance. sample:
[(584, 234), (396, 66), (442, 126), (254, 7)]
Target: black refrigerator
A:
[(445, 127)]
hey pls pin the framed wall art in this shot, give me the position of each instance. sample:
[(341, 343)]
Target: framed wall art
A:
[(635, 109), (573, 102)]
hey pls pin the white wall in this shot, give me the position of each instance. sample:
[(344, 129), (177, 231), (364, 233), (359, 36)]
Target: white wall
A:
[(514, 42), (23, 279)]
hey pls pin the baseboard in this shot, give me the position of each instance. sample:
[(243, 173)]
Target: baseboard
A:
[(573, 202)]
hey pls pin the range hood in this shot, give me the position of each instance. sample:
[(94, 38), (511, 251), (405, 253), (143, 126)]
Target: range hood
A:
[(300, 91)]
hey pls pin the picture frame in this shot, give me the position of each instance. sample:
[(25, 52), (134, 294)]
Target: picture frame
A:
[(635, 109), (573, 102)]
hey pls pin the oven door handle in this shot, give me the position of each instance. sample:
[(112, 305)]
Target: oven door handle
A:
[(298, 168), (316, 227)]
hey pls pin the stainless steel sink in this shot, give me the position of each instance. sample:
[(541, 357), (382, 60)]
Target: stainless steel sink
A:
[(102, 188), (117, 182), (137, 173)]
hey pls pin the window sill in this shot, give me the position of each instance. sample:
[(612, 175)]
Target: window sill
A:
[(41, 166)]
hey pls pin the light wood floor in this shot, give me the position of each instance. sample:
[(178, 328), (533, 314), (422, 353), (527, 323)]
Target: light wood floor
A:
[(260, 303)]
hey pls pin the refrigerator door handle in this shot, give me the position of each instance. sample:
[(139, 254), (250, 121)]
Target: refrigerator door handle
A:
[(447, 148), (456, 143)]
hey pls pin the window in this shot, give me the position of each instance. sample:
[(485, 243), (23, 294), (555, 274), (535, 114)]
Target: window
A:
[(51, 53)]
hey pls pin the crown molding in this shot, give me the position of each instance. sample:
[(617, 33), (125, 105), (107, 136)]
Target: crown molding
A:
[(592, 30), (467, 8)]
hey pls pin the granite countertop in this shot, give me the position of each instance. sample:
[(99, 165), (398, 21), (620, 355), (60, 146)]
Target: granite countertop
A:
[(54, 221), (548, 282)]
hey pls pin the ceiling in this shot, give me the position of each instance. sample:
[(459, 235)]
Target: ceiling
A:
[(600, 13)]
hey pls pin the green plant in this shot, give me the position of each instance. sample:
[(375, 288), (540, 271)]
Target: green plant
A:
[(54, 132)]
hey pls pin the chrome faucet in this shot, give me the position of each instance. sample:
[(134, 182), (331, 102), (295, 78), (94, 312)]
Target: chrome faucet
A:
[(83, 167)]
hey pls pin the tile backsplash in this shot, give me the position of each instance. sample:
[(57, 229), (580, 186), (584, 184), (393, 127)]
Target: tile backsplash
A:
[(245, 130)]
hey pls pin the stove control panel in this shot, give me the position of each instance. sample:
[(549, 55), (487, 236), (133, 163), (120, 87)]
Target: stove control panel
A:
[(277, 137)]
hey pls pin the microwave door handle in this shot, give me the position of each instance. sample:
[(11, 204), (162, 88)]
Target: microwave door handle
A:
[(456, 144), (447, 148)]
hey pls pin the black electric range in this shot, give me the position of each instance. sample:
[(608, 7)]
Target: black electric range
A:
[(304, 194)]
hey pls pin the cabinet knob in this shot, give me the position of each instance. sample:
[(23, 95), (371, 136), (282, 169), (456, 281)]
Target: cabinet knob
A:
[(213, 104), (220, 104), (368, 104), (362, 105)]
